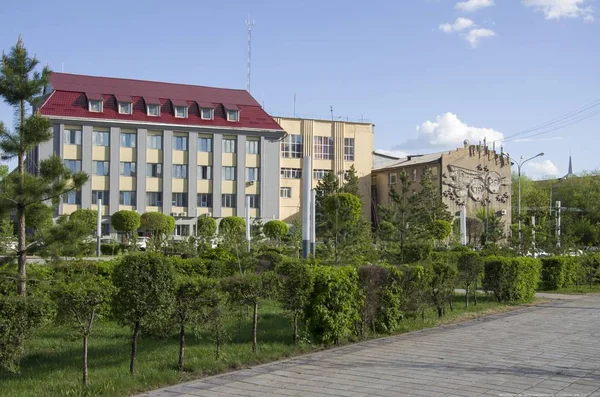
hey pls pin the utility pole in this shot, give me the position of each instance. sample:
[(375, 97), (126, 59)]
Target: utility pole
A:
[(99, 228), (558, 210), (533, 232), (249, 24), (519, 165), (248, 235)]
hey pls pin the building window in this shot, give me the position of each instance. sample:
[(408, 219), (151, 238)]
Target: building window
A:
[(181, 112), (292, 147), (127, 169), (205, 200), (127, 139), (73, 137), (228, 145), (73, 165), (205, 144), (100, 195), (153, 110), (291, 173), (127, 198), (154, 199), (349, 149), (180, 171), (180, 199), (73, 198), (204, 172), (101, 138), (182, 230), (95, 105), (285, 192), (154, 141), (320, 174), (228, 200), (101, 168), (252, 174), (414, 172), (393, 179), (180, 142), (125, 108), (252, 147), (323, 148), (154, 170), (233, 115), (254, 200), (229, 173), (207, 113), (105, 228)]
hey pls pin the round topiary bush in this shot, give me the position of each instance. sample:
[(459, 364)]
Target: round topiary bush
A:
[(232, 225), (207, 227), (275, 230)]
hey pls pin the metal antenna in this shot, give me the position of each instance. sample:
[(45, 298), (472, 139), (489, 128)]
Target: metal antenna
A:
[(249, 24), (331, 110)]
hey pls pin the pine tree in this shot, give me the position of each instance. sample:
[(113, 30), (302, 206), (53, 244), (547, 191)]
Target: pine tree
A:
[(351, 182), (22, 86), (327, 186), (429, 205)]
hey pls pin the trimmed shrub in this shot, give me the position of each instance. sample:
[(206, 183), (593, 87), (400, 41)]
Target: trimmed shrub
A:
[(512, 279), (232, 225), (189, 267), (382, 289), (207, 227), (110, 249), (275, 230), (415, 290), (334, 304), (125, 221), (557, 272), (416, 252)]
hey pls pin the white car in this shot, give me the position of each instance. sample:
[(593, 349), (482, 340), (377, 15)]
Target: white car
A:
[(142, 242)]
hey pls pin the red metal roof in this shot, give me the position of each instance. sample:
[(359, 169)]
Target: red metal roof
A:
[(123, 98), (69, 100), (93, 96)]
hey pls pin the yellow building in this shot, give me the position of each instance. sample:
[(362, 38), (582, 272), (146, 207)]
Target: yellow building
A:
[(334, 146)]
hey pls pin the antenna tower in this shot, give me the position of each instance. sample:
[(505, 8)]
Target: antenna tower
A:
[(249, 24)]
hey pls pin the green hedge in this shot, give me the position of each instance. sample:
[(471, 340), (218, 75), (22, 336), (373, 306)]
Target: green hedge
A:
[(558, 272), (110, 249), (512, 279)]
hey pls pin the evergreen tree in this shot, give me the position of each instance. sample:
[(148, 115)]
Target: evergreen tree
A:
[(351, 182), (22, 86), (429, 205), (327, 186)]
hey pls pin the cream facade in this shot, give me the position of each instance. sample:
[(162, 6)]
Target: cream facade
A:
[(334, 146), (472, 176)]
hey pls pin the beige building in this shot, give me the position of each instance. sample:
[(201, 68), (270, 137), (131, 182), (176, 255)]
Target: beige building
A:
[(474, 176), (334, 146)]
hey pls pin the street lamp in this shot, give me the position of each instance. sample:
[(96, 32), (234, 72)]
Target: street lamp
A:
[(519, 165)]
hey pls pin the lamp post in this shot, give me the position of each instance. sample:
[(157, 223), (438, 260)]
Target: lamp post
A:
[(519, 165)]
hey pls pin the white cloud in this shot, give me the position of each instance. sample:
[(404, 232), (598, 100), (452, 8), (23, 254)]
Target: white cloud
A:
[(557, 9), (475, 36), (459, 25), (448, 131), (543, 168), (473, 5)]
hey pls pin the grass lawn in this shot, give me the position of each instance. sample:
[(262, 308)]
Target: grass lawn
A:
[(52, 366)]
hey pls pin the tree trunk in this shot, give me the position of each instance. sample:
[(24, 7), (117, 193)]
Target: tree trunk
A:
[(218, 342), (22, 243), (181, 346), (450, 302), (440, 311), (136, 332), (475, 293), (254, 326), (295, 326), (85, 359), (467, 293), (423, 314)]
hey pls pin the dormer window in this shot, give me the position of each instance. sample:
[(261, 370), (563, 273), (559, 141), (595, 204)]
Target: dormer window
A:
[(153, 110), (207, 113), (125, 107), (233, 115), (95, 105), (181, 112), (232, 112)]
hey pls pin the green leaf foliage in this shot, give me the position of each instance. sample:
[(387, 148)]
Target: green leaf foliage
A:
[(441, 286), (232, 225), (87, 217), (207, 227), (275, 230), (334, 304), (512, 279), (125, 221), (558, 272), (415, 287), (382, 289)]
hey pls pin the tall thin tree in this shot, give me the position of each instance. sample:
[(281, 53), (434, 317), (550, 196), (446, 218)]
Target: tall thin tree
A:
[(22, 87)]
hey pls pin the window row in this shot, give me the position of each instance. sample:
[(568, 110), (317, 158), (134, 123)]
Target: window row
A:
[(155, 199), (153, 108), (292, 147), (291, 173), (155, 170), (128, 139)]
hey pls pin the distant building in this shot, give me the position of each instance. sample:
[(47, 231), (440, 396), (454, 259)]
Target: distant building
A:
[(334, 146), (570, 174), (474, 176)]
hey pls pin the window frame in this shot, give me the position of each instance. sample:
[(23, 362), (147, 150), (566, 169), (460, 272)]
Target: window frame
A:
[(212, 113), (185, 111), (292, 147), (285, 189), (76, 134), (176, 174), (96, 101), (233, 170), (184, 199), (105, 169), (133, 197), (120, 108), (153, 105), (253, 143), (209, 144), (254, 200), (225, 145), (150, 167), (256, 172), (152, 138), (183, 139), (235, 119), (76, 194), (158, 195), (392, 176), (323, 143), (76, 163), (349, 150), (132, 168), (232, 198), (200, 173), (104, 200), (123, 139), (101, 142), (209, 200)]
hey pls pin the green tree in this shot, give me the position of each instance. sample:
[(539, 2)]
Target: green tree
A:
[(351, 182), (127, 222), (82, 298), (381, 287), (428, 205), (276, 230), (67, 237), (232, 225), (296, 287), (145, 285), (344, 211), (400, 212), (441, 285), (470, 267), (327, 186), (441, 229), (160, 226), (88, 217), (22, 87), (415, 289), (206, 229), (38, 217)]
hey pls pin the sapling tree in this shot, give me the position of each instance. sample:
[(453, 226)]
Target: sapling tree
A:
[(296, 287), (470, 267), (145, 285), (441, 285), (82, 297), (127, 222), (160, 226)]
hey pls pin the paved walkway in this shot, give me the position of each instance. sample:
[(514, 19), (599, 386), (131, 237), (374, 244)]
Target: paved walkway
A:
[(548, 350)]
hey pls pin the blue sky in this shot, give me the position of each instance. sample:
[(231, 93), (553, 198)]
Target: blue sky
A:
[(424, 77)]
